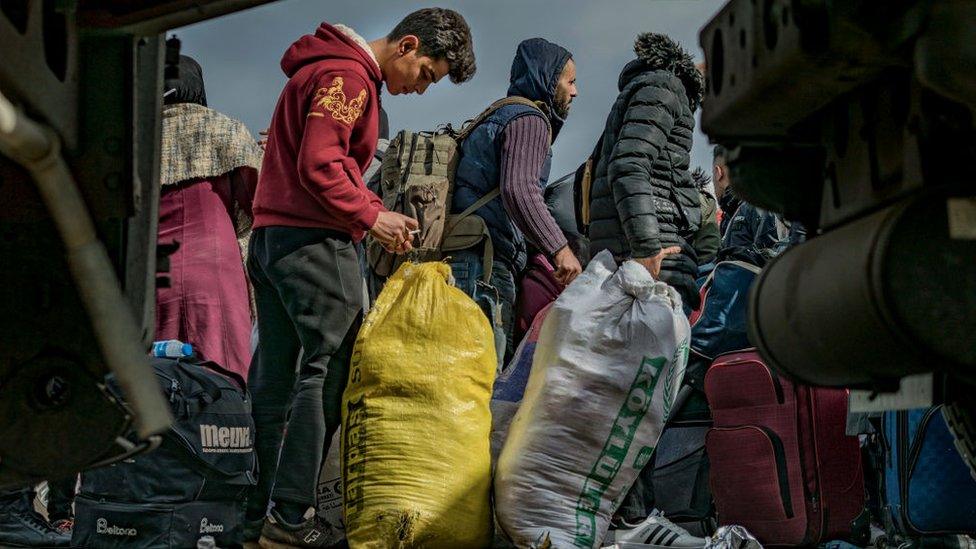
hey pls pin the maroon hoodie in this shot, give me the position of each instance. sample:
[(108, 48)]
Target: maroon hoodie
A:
[(322, 138)]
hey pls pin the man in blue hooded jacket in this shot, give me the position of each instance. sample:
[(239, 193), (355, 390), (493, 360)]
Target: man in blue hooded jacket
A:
[(511, 151)]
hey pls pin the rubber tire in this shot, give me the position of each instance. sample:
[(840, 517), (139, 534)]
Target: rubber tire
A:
[(961, 418)]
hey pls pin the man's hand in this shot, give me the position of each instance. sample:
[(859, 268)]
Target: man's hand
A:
[(653, 264), (392, 230), (567, 266)]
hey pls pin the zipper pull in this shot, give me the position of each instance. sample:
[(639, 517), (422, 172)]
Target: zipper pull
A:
[(816, 504), (174, 387)]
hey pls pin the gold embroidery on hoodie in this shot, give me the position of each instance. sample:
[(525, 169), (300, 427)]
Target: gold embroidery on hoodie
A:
[(333, 101)]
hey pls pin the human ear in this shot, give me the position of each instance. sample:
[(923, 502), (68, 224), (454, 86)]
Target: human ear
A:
[(407, 44)]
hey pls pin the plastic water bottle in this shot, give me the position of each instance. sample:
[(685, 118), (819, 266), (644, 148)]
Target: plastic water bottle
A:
[(206, 542), (172, 348)]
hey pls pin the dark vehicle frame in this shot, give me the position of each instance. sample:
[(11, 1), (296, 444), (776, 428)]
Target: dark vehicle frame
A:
[(855, 117), (80, 107)]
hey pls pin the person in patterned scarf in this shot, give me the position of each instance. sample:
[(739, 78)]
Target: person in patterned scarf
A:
[(209, 169)]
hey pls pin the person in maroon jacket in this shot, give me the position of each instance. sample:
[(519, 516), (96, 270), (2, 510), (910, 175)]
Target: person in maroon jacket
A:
[(310, 208)]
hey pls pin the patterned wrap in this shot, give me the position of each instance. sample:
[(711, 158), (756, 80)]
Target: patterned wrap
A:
[(199, 142)]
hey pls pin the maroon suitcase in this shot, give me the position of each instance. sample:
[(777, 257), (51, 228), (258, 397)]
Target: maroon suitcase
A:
[(781, 463)]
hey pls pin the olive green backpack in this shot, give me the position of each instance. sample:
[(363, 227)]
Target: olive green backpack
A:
[(417, 180)]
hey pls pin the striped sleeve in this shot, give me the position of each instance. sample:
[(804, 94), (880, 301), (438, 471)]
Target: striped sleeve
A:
[(525, 144)]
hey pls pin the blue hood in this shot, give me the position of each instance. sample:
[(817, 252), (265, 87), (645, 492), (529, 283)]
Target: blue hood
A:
[(535, 73)]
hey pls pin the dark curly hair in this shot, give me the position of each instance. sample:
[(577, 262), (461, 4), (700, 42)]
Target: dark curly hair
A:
[(659, 51), (443, 34)]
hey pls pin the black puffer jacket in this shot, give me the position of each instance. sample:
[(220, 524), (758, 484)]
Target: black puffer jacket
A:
[(643, 199)]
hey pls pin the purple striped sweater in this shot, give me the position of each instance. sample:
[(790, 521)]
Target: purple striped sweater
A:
[(525, 144)]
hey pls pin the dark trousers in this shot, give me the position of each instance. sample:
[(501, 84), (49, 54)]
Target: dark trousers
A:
[(60, 496), (309, 295), (639, 500)]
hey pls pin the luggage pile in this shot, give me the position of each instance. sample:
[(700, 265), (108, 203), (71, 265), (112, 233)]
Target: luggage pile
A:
[(615, 421), (777, 455), (617, 424), (610, 351)]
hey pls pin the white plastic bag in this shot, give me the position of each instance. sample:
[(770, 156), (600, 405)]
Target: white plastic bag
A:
[(328, 496), (732, 537), (610, 359)]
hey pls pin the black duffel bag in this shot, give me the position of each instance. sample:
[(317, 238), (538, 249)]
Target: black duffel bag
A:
[(194, 484)]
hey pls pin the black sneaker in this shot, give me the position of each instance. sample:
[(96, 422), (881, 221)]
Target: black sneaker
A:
[(21, 526), (312, 533)]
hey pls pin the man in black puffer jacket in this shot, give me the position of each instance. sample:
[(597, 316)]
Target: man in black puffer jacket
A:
[(643, 203)]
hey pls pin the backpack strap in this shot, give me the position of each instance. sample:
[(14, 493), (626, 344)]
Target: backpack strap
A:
[(489, 250), (504, 102), (456, 219), (583, 187), (492, 194)]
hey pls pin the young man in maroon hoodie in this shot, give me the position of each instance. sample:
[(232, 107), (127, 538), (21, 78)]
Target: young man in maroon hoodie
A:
[(311, 207)]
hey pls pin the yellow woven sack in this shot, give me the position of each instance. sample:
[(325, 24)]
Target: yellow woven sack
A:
[(416, 420)]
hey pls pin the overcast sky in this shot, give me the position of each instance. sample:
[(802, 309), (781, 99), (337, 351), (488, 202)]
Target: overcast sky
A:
[(240, 55)]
